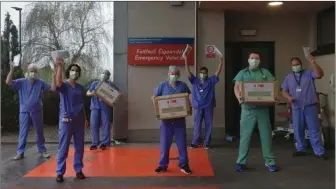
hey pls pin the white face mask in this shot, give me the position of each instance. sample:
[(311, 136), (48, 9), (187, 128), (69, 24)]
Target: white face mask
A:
[(73, 75), (31, 75)]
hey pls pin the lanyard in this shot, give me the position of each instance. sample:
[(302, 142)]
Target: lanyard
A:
[(298, 81)]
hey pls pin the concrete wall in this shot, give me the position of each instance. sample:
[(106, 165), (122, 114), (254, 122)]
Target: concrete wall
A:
[(290, 33), (160, 19)]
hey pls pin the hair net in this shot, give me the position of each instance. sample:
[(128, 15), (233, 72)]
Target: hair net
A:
[(173, 69)]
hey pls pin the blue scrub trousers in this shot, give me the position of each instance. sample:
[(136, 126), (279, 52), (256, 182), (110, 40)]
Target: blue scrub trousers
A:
[(66, 131), (308, 115), (37, 120), (99, 117), (168, 129), (207, 115)]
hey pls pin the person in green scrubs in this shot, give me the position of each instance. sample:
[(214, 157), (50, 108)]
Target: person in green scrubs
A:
[(252, 115)]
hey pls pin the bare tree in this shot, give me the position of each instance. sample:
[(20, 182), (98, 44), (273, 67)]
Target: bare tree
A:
[(74, 26)]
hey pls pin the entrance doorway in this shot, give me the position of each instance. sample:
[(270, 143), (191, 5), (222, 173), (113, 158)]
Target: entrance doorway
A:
[(236, 56)]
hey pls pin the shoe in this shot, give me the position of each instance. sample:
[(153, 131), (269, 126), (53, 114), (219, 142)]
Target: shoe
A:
[(193, 146), (299, 153), (18, 157), (272, 168), (59, 178), (207, 147), (186, 169), (80, 176), (45, 154), (160, 169), (103, 146), (240, 167), (323, 157), (93, 147)]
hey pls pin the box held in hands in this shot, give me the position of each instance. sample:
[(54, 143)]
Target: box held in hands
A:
[(254, 92), (107, 93), (172, 106)]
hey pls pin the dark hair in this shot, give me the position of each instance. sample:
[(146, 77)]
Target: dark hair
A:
[(67, 71), (253, 52), (204, 68), (297, 59)]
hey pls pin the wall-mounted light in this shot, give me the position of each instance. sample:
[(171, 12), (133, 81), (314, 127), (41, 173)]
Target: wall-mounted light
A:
[(275, 3)]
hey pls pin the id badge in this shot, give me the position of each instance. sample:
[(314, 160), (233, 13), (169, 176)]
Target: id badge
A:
[(201, 91), (298, 89)]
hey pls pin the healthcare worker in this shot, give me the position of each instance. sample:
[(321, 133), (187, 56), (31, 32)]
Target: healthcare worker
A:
[(100, 114), (173, 127), (254, 114), (72, 119), (203, 101), (31, 108), (299, 89)]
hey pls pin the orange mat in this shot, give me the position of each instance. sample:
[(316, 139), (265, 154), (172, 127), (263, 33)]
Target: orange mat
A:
[(127, 162)]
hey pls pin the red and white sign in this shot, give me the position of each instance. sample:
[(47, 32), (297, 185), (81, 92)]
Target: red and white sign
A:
[(210, 51)]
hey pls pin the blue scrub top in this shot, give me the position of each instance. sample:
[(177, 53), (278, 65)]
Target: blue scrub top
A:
[(163, 89), (96, 103), (203, 94), (30, 93), (71, 99)]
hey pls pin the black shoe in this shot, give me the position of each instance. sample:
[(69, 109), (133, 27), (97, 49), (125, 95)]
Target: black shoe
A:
[(93, 147), (299, 154), (160, 169), (207, 147), (323, 157), (193, 146), (59, 178), (185, 169), (103, 146), (80, 175)]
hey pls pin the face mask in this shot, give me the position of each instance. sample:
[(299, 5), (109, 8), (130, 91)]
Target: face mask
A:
[(253, 63), (173, 78), (31, 75), (203, 76), (296, 68), (73, 75)]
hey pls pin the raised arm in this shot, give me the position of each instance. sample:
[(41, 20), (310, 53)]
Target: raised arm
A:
[(318, 70), (186, 66), (53, 82), (59, 64), (9, 78), (220, 66)]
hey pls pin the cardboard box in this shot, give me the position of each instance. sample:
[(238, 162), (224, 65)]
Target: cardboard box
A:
[(259, 92), (172, 106), (107, 93)]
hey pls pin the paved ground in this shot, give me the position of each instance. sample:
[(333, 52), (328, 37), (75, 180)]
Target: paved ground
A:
[(304, 173)]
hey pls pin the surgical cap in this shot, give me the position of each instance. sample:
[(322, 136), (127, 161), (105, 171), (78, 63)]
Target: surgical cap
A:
[(173, 69)]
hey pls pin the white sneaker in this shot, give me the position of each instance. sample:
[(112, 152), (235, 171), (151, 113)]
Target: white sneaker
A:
[(18, 157), (45, 154)]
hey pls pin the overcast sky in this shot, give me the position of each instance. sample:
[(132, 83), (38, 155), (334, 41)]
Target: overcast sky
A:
[(6, 7)]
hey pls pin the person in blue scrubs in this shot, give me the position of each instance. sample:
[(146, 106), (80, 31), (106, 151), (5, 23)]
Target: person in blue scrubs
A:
[(173, 127), (30, 97), (100, 114), (299, 89), (72, 119), (203, 101)]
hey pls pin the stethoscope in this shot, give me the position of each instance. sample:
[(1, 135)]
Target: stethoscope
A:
[(260, 70)]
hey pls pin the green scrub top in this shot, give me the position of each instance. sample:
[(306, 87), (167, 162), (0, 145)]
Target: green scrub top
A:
[(260, 74)]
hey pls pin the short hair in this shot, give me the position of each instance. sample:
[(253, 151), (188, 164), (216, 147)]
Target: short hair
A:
[(31, 66), (297, 59), (204, 68), (67, 71), (108, 73), (253, 52)]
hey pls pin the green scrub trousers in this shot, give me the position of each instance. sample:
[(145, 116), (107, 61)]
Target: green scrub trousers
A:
[(252, 115)]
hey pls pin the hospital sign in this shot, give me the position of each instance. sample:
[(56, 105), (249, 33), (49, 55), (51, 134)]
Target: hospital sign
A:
[(159, 51)]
